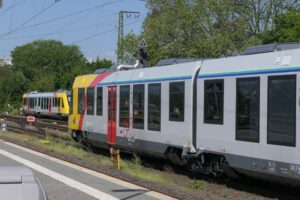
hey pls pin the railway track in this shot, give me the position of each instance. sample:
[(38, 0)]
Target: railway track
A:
[(40, 128), (59, 131)]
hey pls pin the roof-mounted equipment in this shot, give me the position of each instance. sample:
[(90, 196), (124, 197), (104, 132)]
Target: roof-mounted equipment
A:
[(271, 48), (172, 61)]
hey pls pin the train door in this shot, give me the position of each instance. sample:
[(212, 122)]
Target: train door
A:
[(111, 118)]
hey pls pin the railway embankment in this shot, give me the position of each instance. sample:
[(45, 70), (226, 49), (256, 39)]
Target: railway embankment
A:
[(151, 173)]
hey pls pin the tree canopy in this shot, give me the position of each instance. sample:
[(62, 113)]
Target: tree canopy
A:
[(48, 64), (205, 29), (43, 65), (286, 28)]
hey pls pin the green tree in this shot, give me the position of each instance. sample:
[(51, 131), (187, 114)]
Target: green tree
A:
[(12, 88), (129, 48), (48, 64), (205, 29), (98, 64), (286, 29)]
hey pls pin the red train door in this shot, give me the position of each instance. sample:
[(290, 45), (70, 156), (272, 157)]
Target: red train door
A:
[(111, 118)]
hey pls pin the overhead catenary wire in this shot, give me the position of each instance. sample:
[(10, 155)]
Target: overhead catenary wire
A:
[(83, 28), (12, 15), (12, 6), (82, 17), (101, 33), (33, 17), (94, 8)]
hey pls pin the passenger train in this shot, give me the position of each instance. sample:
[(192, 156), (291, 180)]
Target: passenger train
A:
[(238, 115), (50, 104)]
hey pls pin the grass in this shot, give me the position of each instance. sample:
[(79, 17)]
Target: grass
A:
[(130, 167), (135, 169), (225, 193), (197, 184)]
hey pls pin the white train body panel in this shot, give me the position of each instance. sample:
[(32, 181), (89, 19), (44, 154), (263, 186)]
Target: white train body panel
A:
[(221, 138), (172, 133), (194, 136)]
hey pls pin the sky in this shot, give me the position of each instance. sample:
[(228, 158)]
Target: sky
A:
[(90, 24)]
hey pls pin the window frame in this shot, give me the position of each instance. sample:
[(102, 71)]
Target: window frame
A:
[(120, 97), (206, 121), (81, 109), (256, 140), (172, 119), (62, 102), (133, 106), (279, 77), (99, 109), (90, 102), (148, 113)]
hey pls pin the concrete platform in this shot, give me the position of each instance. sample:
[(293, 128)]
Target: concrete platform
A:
[(64, 181)]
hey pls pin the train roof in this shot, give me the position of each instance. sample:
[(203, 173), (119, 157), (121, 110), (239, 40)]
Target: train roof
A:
[(153, 74), (269, 62), (84, 80), (230, 66), (251, 64), (45, 94)]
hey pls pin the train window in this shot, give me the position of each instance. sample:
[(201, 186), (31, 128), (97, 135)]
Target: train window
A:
[(81, 101), (138, 106), (58, 101), (154, 106), (124, 106), (47, 103), (62, 102), (99, 101), (31, 102), (282, 110), (176, 105), (90, 101), (213, 101), (42, 103), (71, 102), (247, 109), (39, 102)]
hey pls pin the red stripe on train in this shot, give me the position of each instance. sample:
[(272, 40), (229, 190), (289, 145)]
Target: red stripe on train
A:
[(94, 83)]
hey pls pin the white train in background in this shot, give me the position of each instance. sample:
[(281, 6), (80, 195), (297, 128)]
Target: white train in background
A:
[(50, 104), (237, 114)]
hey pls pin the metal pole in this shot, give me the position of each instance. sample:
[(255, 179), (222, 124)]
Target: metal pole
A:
[(120, 51), (120, 36)]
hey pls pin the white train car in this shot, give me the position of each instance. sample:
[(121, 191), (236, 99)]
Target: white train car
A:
[(238, 113), (51, 104), (248, 110)]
